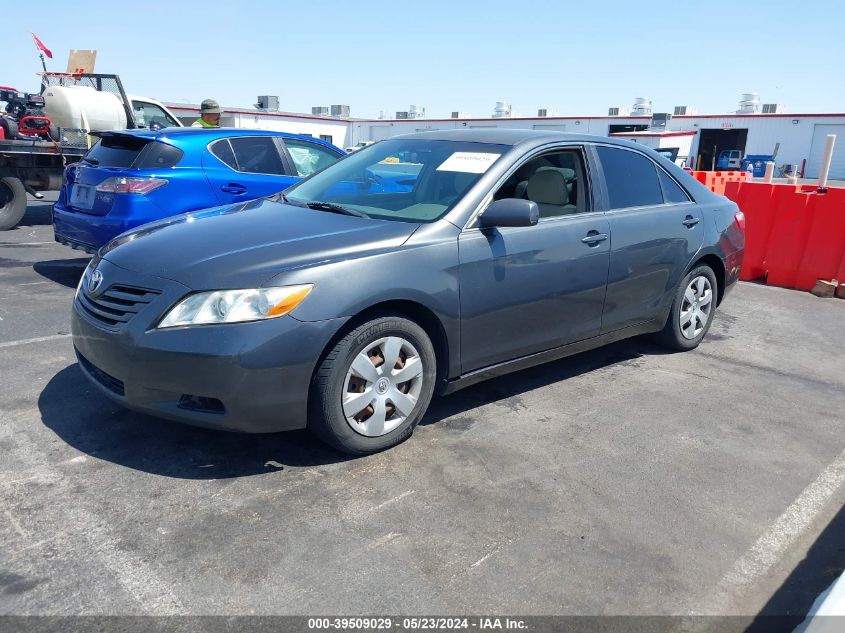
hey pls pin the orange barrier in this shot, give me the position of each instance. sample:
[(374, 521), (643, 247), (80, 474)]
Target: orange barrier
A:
[(794, 235), (716, 181), (757, 203)]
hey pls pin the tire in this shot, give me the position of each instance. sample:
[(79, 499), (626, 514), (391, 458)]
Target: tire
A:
[(12, 202), (371, 421), (689, 307), (10, 128)]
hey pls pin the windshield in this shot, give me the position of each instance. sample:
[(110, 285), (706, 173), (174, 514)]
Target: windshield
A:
[(411, 180)]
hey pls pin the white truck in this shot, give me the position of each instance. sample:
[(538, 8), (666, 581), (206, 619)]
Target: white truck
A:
[(75, 106)]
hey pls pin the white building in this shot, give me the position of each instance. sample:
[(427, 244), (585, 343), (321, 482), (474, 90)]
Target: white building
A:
[(698, 137)]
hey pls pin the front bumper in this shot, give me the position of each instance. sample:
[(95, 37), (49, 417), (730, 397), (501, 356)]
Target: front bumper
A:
[(247, 377)]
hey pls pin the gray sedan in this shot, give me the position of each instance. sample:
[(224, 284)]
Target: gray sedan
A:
[(417, 265)]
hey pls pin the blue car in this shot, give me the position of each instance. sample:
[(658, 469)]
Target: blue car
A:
[(132, 177)]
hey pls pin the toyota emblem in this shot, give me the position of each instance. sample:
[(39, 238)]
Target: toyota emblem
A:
[(95, 281)]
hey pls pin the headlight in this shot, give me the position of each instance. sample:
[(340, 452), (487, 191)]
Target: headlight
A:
[(235, 306)]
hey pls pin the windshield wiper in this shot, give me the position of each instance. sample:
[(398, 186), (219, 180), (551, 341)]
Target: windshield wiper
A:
[(335, 208)]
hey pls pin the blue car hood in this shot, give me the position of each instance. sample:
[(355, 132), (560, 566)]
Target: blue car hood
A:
[(245, 245)]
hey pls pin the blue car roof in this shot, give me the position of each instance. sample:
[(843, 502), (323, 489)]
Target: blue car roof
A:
[(179, 135)]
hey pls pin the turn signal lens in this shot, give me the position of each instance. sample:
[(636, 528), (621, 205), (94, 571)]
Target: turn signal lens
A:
[(739, 216)]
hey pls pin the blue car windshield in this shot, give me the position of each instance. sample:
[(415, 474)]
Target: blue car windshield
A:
[(411, 180)]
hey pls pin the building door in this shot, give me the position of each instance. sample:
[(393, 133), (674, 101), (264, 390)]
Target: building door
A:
[(713, 141), (837, 165)]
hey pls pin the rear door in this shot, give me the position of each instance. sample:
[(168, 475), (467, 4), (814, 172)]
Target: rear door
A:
[(655, 231), (243, 168)]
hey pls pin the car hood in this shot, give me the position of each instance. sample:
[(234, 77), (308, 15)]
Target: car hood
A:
[(244, 245)]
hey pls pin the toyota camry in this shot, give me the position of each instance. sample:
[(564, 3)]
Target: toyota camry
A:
[(413, 267)]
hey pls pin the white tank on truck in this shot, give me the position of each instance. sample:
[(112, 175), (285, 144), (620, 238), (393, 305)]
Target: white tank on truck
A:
[(84, 107)]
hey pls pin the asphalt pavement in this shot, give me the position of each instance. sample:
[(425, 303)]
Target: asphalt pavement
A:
[(626, 480)]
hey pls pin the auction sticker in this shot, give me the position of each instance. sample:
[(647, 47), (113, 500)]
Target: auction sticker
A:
[(469, 162)]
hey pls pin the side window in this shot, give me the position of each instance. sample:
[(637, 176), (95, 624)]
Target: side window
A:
[(309, 158), (555, 181), (672, 191), (631, 178), (257, 155), (150, 115), (223, 150), (157, 155)]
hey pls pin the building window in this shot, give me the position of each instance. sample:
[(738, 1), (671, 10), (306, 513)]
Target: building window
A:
[(326, 137)]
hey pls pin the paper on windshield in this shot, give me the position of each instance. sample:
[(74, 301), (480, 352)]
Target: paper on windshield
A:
[(469, 162)]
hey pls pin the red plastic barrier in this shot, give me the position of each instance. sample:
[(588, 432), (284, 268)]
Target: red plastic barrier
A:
[(840, 274), (788, 241), (794, 236), (825, 250), (756, 202), (716, 181)]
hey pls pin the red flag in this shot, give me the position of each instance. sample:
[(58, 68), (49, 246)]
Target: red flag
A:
[(41, 46)]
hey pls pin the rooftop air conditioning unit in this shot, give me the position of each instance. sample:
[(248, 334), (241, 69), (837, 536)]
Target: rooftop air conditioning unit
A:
[(616, 111), (660, 120), (542, 112), (320, 110), (502, 110), (340, 110), (642, 105), (772, 108), (749, 103), (684, 111), (459, 115), (268, 102), (402, 115), (416, 112)]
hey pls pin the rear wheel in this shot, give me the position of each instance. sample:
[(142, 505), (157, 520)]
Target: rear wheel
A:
[(692, 310), (12, 202), (373, 386)]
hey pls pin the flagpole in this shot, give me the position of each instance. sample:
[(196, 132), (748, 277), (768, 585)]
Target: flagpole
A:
[(43, 63)]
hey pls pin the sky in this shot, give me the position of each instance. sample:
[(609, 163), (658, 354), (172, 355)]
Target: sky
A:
[(572, 57)]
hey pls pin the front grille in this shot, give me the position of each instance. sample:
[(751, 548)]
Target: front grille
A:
[(108, 381), (117, 304)]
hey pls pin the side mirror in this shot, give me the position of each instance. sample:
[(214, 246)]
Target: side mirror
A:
[(510, 212)]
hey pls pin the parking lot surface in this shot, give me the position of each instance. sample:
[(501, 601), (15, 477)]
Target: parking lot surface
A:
[(622, 481)]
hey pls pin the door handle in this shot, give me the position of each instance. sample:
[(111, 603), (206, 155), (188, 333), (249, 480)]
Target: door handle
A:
[(594, 238), (233, 187), (690, 221)]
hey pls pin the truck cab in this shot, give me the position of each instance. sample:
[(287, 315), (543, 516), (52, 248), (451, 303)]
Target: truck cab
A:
[(149, 113), (729, 159)]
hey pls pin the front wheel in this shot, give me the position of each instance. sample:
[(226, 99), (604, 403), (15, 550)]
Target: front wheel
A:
[(373, 386), (692, 310)]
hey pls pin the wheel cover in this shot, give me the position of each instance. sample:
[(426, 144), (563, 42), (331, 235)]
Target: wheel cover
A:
[(382, 386), (696, 307)]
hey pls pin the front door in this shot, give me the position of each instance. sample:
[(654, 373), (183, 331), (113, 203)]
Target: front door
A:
[(528, 289)]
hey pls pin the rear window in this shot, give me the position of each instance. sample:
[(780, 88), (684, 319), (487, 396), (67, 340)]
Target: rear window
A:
[(116, 151), (133, 152)]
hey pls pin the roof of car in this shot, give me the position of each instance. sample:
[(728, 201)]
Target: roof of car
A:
[(504, 136), (208, 134)]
